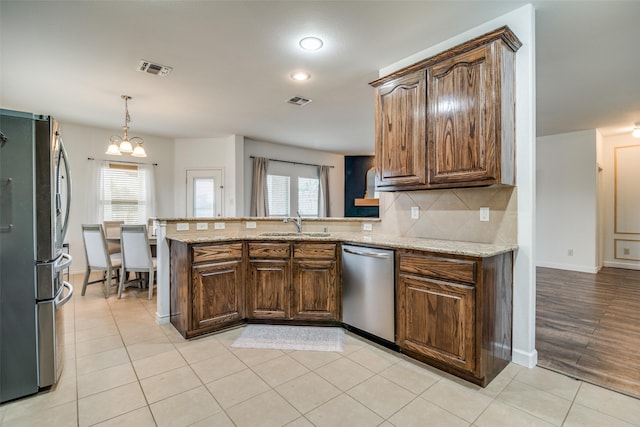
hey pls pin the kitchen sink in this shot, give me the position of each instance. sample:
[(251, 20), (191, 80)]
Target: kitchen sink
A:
[(294, 233)]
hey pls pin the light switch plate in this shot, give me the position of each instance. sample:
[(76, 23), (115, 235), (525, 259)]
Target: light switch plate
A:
[(484, 214), (367, 226), (182, 226), (415, 212), (218, 225), (202, 226), (250, 224)]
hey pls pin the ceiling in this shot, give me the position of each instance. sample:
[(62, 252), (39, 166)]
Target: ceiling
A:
[(232, 61)]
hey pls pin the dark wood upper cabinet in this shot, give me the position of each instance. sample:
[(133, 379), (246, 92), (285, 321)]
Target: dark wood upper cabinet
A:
[(449, 120)]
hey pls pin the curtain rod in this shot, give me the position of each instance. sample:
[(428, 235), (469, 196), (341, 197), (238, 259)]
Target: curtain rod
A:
[(122, 161), (289, 161)]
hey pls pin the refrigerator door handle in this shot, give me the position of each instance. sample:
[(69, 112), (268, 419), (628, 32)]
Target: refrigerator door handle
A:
[(66, 299), (62, 155), (64, 264)]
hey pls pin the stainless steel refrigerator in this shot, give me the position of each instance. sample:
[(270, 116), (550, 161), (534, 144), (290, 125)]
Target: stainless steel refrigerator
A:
[(35, 190)]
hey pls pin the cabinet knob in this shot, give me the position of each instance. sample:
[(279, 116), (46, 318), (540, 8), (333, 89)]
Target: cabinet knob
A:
[(389, 126)]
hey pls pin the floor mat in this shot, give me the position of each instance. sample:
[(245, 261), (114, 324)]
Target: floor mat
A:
[(291, 338)]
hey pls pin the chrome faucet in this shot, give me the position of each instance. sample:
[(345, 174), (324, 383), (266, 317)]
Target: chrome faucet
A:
[(297, 221)]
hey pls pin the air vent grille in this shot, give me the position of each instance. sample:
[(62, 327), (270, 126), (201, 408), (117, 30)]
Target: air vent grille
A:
[(151, 68), (298, 100)]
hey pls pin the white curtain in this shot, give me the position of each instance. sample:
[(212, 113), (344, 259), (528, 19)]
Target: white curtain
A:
[(94, 193), (323, 193), (149, 181), (259, 201)]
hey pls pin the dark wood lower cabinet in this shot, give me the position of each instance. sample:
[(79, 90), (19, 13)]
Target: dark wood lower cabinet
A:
[(269, 281), (315, 294), (455, 312)]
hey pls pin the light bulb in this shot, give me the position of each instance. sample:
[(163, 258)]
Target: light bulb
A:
[(311, 43), (300, 76), (125, 146), (113, 149)]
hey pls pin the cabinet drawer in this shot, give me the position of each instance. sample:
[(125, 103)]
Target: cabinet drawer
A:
[(217, 252), (269, 250), (459, 270), (314, 250)]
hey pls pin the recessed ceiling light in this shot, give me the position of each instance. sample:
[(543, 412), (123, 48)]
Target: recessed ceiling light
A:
[(300, 76), (311, 43)]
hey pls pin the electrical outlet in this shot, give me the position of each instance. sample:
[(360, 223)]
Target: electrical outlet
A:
[(367, 226), (250, 224), (202, 226), (484, 214), (218, 225), (415, 212), (570, 252), (182, 226)]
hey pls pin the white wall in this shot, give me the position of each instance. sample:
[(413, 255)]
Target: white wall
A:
[(82, 142), (522, 22), (295, 154), (208, 153), (608, 165), (567, 205)]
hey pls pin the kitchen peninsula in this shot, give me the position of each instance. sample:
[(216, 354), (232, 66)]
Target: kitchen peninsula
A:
[(453, 299)]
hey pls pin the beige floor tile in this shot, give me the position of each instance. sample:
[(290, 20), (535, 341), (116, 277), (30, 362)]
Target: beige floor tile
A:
[(236, 388), (609, 402), (218, 420), (105, 379), (154, 365), (96, 321), (381, 395), (139, 418), (103, 360), (109, 404), (228, 337), (541, 404), (374, 359), (549, 381), (300, 422), (252, 356), (420, 413), (343, 411), (142, 350), (95, 333), (185, 408), (308, 392), (344, 373), (465, 401), (280, 370), (581, 416), (201, 349), (63, 393), (266, 409), (87, 348), (218, 367), (314, 359), (501, 414), (65, 415), (414, 378), (169, 383), (353, 343), (148, 335)]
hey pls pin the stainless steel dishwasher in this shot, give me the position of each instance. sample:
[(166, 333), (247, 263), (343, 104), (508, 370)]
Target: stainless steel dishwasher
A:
[(368, 290)]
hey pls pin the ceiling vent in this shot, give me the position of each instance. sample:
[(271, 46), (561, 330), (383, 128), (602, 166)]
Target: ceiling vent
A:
[(298, 100), (151, 68)]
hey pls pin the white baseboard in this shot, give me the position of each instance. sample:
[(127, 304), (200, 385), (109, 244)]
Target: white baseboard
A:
[(570, 267), (163, 320), (622, 264), (525, 358)]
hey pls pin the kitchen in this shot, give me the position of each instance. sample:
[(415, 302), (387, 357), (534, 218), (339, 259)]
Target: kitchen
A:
[(170, 167)]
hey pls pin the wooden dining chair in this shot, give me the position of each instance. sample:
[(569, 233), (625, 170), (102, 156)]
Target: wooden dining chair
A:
[(136, 255), (98, 257), (112, 230)]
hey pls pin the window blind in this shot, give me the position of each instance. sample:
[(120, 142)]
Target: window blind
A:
[(123, 193)]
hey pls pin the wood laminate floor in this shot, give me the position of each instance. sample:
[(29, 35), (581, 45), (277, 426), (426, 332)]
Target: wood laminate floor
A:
[(588, 326)]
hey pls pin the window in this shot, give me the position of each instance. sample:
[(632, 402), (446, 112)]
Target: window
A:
[(292, 189), (126, 193), (205, 193)]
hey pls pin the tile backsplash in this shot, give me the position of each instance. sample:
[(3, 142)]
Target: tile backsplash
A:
[(452, 214)]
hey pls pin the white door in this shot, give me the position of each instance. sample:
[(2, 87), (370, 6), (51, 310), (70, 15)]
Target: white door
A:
[(205, 193)]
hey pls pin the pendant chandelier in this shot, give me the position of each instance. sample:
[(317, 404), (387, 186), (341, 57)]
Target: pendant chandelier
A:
[(119, 145)]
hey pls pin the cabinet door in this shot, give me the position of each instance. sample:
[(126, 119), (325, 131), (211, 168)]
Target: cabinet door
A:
[(437, 319), (268, 292), (461, 120), (217, 294), (400, 133), (315, 290)]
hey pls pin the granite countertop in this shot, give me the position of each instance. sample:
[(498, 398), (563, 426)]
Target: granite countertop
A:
[(365, 239)]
